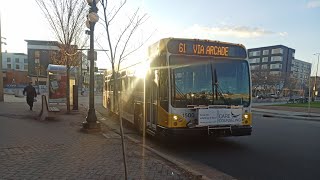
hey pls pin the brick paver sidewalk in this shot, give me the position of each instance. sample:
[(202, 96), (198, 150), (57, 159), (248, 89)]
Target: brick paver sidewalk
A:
[(33, 149)]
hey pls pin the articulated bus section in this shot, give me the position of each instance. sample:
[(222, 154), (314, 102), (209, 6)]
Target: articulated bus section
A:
[(187, 87)]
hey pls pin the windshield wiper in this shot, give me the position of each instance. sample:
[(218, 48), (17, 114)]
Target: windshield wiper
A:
[(213, 82), (182, 95), (216, 88)]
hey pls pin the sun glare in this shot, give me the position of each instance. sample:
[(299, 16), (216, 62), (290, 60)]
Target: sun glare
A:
[(142, 69)]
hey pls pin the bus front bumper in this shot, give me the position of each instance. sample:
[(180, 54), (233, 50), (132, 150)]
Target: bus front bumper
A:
[(205, 131)]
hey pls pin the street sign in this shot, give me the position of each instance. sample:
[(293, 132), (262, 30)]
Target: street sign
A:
[(90, 56)]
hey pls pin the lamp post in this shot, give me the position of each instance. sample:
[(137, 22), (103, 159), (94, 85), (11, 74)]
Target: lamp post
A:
[(315, 92), (265, 85), (37, 67), (91, 124)]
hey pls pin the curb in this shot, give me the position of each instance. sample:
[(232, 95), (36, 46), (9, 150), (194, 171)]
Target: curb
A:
[(287, 117)]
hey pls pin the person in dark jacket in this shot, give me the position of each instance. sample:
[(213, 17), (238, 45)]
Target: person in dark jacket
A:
[(31, 94)]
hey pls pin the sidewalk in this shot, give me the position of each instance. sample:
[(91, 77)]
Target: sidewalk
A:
[(297, 113), (33, 149)]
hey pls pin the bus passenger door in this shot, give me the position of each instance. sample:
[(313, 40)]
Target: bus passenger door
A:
[(153, 105)]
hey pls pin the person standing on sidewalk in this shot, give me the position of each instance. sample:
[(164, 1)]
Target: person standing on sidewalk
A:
[(31, 94)]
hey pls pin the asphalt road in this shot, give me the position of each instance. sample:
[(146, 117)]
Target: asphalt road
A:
[(278, 149)]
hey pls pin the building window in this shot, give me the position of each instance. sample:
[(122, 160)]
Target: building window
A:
[(275, 66), (276, 58), (254, 60), (8, 66), (25, 67), (254, 53), (254, 67), (293, 55), (25, 60), (265, 52), (8, 59), (264, 66), (16, 60), (36, 54), (277, 51), (307, 71), (17, 66), (265, 59)]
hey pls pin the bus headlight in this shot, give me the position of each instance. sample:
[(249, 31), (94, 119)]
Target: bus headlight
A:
[(175, 118), (246, 119)]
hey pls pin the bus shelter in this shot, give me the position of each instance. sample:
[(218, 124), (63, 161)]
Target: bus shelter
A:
[(57, 84)]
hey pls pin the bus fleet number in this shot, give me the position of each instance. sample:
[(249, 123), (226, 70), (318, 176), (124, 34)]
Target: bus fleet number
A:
[(188, 115)]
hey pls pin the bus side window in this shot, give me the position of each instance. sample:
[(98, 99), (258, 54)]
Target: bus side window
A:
[(105, 85), (123, 84), (164, 89), (110, 85)]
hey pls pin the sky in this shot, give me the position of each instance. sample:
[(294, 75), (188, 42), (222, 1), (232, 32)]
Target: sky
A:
[(253, 23)]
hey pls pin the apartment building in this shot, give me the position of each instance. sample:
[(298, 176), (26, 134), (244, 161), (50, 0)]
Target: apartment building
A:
[(275, 70), (14, 61), (14, 68)]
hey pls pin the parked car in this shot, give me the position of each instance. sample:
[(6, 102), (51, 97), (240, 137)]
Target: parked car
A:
[(261, 96), (275, 96), (264, 96)]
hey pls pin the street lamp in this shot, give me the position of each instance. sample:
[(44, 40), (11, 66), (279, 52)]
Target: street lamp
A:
[(37, 67), (91, 124), (265, 85), (315, 80)]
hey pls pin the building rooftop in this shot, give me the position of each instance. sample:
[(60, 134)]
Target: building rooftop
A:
[(41, 42), (273, 46)]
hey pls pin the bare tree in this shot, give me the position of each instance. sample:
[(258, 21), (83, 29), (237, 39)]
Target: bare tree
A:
[(259, 78), (119, 44), (262, 78), (292, 85), (66, 19)]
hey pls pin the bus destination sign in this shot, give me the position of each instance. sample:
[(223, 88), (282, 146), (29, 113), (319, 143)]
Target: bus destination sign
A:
[(205, 48)]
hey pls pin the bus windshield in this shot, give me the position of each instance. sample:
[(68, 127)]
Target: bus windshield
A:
[(208, 81)]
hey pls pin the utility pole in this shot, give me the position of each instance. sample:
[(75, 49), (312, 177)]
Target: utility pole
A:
[(315, 92)]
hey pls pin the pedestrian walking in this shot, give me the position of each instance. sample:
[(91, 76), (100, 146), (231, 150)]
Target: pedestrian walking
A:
[(31, 94)]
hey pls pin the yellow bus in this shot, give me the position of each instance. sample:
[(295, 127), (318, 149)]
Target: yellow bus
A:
[(186, 87)]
